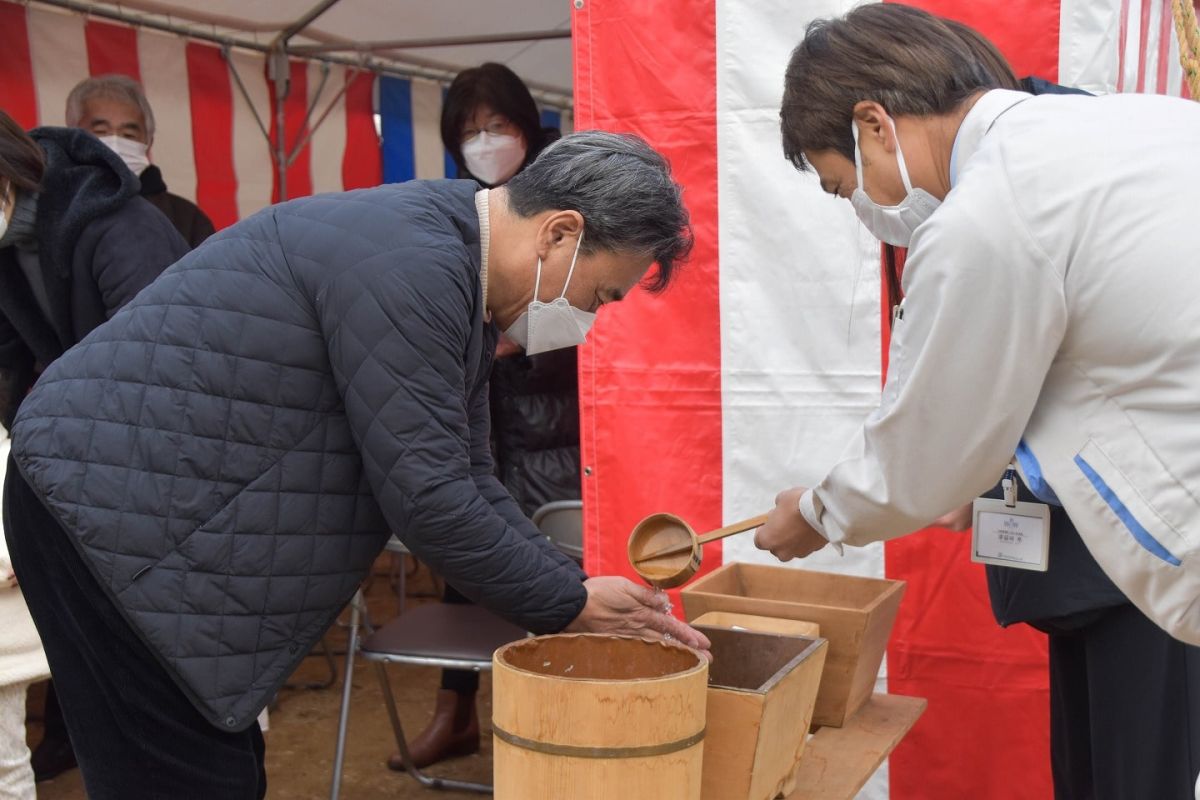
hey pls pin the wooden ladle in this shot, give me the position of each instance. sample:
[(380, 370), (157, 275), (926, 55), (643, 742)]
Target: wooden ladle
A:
[(666, 552)]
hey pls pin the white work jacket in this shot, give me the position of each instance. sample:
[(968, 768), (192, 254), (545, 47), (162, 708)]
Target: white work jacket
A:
[(1054, 296)]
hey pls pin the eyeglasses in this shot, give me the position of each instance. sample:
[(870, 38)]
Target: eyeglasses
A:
[(497, 127)]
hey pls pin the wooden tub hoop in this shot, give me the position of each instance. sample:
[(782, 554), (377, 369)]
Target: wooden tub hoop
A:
[(577, 751)]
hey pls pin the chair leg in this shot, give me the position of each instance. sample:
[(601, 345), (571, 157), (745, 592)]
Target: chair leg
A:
[(339, 755), (427, 781)]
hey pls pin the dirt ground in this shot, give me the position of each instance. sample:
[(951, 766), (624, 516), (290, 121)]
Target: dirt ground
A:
[(303, 722)]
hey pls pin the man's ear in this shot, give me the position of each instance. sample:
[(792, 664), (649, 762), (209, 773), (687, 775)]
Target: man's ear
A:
[(555, 228), (875, 125)]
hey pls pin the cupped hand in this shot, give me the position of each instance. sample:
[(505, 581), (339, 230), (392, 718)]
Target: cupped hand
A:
[(620, 606)]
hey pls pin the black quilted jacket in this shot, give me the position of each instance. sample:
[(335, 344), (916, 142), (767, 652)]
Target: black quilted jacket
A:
[(231, 450), (535, 426)]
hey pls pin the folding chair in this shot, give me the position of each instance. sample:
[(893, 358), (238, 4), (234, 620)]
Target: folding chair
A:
[(562, 522), (434, 635)]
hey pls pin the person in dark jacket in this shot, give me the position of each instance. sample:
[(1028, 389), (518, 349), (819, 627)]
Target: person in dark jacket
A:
[(114, 108), (1124, 695), (77, 244), (213, 471), (490, 118), (535, 399)]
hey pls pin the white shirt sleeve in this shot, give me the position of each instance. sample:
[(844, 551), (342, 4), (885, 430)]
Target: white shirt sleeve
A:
[(984, 316)]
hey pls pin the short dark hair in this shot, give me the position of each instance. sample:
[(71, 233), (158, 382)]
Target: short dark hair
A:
[(22, 163), (621, 187), (903, 58), (986, 53), (497, 86)]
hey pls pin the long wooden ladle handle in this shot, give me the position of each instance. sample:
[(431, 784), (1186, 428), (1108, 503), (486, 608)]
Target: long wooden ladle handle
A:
[(720, 533), (730, 530)]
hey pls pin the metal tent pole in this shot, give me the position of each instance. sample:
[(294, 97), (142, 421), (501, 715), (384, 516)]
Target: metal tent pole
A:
[(280, 73)]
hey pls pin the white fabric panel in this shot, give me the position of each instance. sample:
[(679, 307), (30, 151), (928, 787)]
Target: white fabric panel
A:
[(58, 50), (800, 293), (329, 139), (428, 153), (252, 162), (162, 60), (1088, 44)]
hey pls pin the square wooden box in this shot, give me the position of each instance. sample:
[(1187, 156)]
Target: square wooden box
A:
[(761, 691), (855, 614)]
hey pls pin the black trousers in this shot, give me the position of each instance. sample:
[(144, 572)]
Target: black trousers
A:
[(135, 734), (1124, 711), (462, 681)]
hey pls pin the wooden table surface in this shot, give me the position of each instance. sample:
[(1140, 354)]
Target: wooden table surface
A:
[(837, 762)]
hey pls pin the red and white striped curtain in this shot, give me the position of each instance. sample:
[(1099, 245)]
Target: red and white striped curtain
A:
[(208, 142)]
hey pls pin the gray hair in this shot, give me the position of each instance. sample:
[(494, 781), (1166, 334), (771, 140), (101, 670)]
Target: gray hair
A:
[(621, 187), (113, 87)]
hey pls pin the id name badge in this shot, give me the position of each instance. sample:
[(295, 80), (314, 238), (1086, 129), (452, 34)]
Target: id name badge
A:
[(1007, 535)]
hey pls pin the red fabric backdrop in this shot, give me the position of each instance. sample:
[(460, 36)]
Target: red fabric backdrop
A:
[(651, 377)]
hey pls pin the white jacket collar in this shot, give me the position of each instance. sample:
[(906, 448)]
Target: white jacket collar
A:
[(977, 123)]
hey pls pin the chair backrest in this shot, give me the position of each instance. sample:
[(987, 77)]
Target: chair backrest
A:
[(562, 522)]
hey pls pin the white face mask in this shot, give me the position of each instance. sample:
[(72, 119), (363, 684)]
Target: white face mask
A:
[(553, 325), (493, 157), (891, 224), (133, 153)]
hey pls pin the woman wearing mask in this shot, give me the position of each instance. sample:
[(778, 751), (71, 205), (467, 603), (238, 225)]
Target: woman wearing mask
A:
[(492, 130), (76, 244), (490, 124), (1049, 313)]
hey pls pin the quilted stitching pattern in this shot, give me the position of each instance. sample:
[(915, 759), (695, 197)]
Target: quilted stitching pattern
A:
[(232, 449)]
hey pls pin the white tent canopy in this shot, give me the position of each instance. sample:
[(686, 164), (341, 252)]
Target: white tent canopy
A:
[(408, 37)]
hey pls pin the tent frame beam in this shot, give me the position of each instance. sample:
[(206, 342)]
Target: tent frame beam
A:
[(299, 25), (445, 41)]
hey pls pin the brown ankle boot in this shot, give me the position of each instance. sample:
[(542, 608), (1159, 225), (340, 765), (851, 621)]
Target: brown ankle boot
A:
[(453, 731)]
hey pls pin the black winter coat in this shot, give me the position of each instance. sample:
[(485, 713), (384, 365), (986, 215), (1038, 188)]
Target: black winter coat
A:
[(99, 244), (231, 451), (535, 426), (192, 223)]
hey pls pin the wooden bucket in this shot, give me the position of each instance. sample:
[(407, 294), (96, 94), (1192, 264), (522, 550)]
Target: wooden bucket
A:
[(762, 689), (595, 717)]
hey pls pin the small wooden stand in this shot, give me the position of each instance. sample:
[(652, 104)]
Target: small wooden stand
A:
[(838, 762)]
